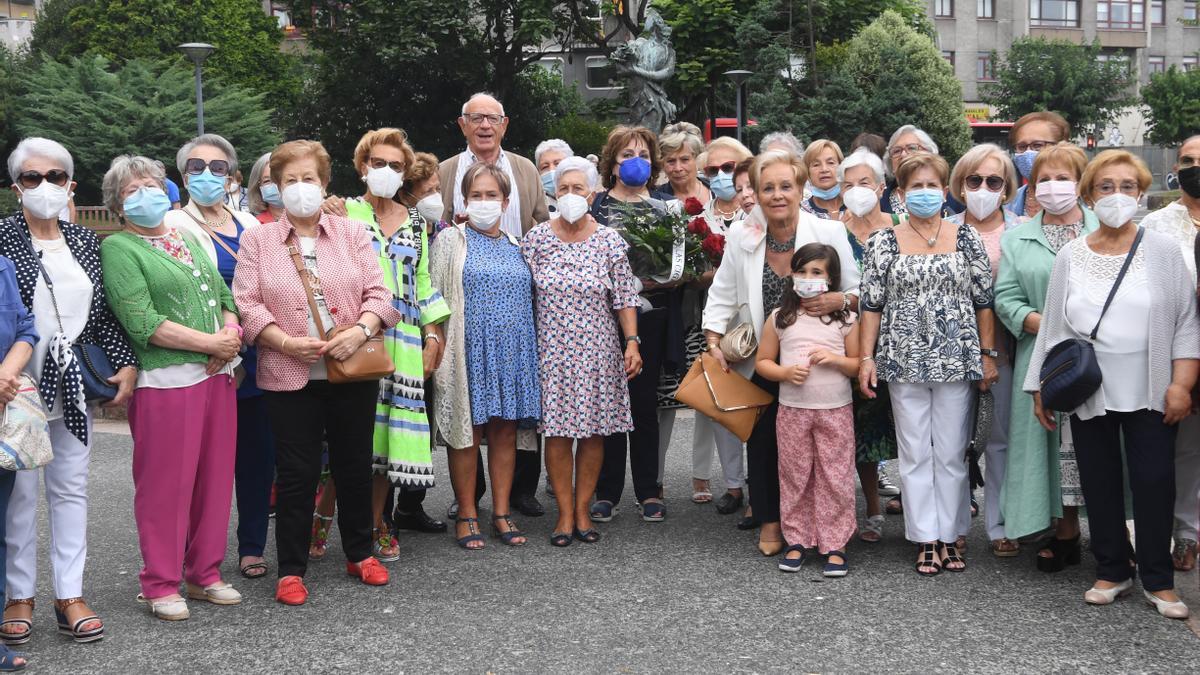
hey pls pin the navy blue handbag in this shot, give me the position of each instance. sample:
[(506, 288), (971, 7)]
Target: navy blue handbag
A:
[(1071, 374)]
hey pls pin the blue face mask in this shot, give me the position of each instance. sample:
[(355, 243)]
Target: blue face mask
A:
[(722, 186), (830, 193), (924, 203), (206, 188), (634, 172), (270, 195), (146, 207), (548, 182), (1024, 162)]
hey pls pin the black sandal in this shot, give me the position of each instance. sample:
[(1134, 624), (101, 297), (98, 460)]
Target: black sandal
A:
[(472, 534), (561, 539), (1063, 552), (259, 567), (513, 533), (588, 536), (950, 555), (928, 559)]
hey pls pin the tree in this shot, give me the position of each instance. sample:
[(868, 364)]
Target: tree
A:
[(700, 32), (1172, 101), (99, 110), (1070, 79)]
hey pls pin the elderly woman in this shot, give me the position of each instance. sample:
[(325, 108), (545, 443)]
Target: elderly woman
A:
[(1176, 221), (422, 190), (927, 330), (262, 194), (680, 145), (745, 188), (753, 274), (582, 276), (1028, 136), (1041, 486), (822, 158), (908, 140), (983, 179), (488, 384), (168, 295), (721, 160), (782, 141), (203, 161), (303, 405), (59, 280), (546, 157), (1147, 348)]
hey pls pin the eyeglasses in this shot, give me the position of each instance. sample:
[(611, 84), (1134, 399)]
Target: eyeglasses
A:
[(377, 163), (195, 167), (1187, 162), (478, 118), (727, 167), (994, 183), (901, 150), (1036, 146), (1126, 187), (31, 179)]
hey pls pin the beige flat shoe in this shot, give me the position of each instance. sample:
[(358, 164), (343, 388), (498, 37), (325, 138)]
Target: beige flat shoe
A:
[(220, 593), (1107, 596), (168, 610), (1171, 610)]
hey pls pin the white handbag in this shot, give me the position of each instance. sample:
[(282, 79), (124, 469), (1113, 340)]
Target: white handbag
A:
[(25, 433), (739, 343)]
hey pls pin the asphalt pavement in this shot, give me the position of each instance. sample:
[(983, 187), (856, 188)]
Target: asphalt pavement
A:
[(691, 594)]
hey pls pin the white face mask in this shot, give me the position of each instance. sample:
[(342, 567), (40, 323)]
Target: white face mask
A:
[(572, 207), (1116, 209), (303, 199), (982, 203), (810, 288), (46, 200), (383, 182), (431, 207), (860, 200), (233, 188), (483, 215)]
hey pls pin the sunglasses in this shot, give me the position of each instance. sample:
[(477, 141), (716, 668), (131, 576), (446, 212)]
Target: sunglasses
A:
[(31, 179), (727, 167), (195, 167), (994, 183), (377, 163)]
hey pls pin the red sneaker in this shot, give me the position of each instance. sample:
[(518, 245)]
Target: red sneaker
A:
[(369, 570), (291, 591)]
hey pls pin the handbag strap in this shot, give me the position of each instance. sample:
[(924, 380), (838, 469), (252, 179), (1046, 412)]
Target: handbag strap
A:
[(49, 284), (1117, 284), (294, 251), (213, 235)]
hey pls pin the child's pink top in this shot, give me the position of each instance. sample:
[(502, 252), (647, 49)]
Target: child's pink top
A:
[(826, 387)]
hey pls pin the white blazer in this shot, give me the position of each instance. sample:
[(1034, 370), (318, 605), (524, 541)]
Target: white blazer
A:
[(178, 219), (736, 291)]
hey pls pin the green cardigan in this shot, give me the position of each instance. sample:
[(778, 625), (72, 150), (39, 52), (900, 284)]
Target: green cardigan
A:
[(146, 287)]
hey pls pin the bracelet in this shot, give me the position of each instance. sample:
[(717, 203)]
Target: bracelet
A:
[(431, 336), (845, 302), (283, 345), (236, 327), (867, 358)]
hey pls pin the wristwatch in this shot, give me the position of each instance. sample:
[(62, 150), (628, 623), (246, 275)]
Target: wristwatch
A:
[(633, 338), (990, 352), (366, 331)]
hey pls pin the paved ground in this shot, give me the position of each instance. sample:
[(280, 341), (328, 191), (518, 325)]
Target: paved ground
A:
[(688, 595)]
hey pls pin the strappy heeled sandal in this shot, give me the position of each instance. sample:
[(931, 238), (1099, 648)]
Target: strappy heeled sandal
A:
[(385, 544), (473, 534), (320, 536), (23, 636), (75, 628), (929, 559), (510, 536), (949, 556)]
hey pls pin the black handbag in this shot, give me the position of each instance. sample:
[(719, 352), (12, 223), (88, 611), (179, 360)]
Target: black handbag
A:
[(1071, 374)]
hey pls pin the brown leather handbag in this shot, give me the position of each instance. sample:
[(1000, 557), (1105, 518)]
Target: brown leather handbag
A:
[(369, 362), (728, 398)]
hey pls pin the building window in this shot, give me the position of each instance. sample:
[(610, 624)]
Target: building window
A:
[(943, 8), (985, 9), (1121, 14), (553, 64), (1156, 64), (1054, 13), (601, 74), (1189, 11), (985, 68), (1189, 62), (1158, 15), (949, 56)]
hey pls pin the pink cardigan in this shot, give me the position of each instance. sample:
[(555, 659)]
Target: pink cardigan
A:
[(268, 289)]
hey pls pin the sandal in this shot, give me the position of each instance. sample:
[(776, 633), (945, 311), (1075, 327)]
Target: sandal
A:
[(386, 548), (1062, 552), (588, 536), (560, 539), (701, 495), (76, 628), (259, 569), (928, 560), (472, 536), (872, 530), (1184, 555), (320, 535), (603, 511), (894, 506), (950, 556), (510, 536), (8, 660), (1005, 548), (21, 637), (654, 512)]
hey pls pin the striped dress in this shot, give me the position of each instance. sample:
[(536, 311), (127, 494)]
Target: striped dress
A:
[(401, 446)]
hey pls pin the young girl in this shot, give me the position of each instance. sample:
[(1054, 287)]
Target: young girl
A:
[(813, 359)]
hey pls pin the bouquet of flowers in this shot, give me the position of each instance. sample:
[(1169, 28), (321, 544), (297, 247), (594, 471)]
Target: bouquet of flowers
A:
[(712, 244), (655, 236)]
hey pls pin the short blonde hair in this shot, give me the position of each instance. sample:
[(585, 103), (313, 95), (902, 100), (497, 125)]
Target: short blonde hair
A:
[(289, 152), (731, 144), (678, 136), (817, 147), (969, 164), (478, 169), (385, 136), (1107, 159), (124, 169), (1062, 153), (918, 161), (773, 157)]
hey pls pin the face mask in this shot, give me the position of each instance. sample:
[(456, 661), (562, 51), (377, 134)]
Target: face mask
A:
[(206, 188), (634, 172), (548, 183), (830, 193), (46, 200), (270, 194), (722, 186), (572, 207), (860, 200), (302, 199), (1057, 196), (1189, 181), (1116, 209), (233, 188), (924, 203), (483, 215), (431, 208), (982, 203), (383, 182), (809, 288), (1024, 162), (146, 207)]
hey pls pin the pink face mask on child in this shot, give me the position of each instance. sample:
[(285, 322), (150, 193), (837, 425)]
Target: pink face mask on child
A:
[(810, 288)]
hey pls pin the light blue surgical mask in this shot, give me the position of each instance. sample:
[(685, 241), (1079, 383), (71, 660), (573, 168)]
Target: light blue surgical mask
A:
[(548, 183), (146, 207), (206, 188), (722, 186), (1024, 162), (270, 194), (925, 202), (826, 193)]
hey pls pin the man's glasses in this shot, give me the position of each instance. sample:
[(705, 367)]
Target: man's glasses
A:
[(31, 179), (195, 167), (478, 118)]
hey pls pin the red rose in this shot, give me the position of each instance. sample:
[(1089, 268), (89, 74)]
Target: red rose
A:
[(699, 227), (692, 206), (714, 247)]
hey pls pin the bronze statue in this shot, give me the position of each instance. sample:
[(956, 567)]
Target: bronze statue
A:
[(646, 62)]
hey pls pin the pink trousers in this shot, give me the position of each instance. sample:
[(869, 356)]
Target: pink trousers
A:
[(184, 445), (816, 476)]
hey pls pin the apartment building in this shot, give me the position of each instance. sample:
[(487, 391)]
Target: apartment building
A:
[(16, 22)]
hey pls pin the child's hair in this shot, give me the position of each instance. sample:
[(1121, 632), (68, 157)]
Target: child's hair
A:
[(790, 305)]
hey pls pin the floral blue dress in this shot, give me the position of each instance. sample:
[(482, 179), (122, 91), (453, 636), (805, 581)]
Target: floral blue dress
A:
[(501, 346)]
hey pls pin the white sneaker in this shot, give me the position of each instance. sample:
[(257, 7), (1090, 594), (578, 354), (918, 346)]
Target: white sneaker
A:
[(220, 593), (1107, 596), (1171, 610), (886, 487)]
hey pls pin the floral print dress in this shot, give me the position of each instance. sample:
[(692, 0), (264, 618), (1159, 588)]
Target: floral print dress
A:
[(874, 428)]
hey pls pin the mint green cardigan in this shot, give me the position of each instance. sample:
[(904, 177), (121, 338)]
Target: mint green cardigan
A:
[(146, 287)]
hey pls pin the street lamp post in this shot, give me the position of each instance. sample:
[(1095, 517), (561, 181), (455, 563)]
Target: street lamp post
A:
[(739, 78), (197, 52)]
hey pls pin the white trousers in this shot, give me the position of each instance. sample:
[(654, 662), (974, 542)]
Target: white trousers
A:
[(996, 455), (66, 497), (705, 435), (932, 431), (1187, 478)]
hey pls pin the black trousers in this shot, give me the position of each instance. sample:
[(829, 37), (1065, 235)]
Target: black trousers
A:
[(1150, 456), (762, 459), (254, 472), (345, 415), (642, 443)]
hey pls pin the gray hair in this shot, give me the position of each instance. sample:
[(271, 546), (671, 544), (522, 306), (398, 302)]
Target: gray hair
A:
[(590, 175), (676, 137), (860, 157), (782, 137), (552, 145), (43, 148), (482, 94), (127, 168), (254, 199), (213, 140), (922, 138)]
